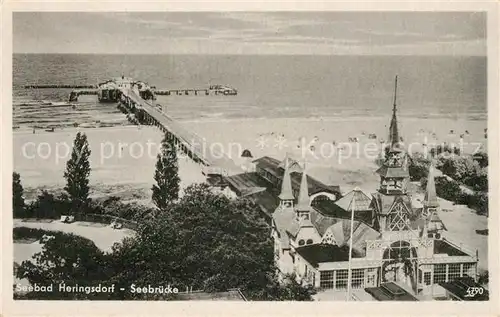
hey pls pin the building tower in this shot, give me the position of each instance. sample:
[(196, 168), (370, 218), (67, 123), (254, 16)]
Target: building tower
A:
[(392, 202), (394, 138), (303, 207), (286, 196), (394, 175), (430, 203)]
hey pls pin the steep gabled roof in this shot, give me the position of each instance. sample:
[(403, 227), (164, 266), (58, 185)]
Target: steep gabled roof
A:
[(341, 231), (361, 201), (395, 172), (384, 203), (283, 219), (430, 199), (303, 201), (286, 186)]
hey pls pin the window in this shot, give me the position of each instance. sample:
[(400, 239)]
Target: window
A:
[(326, 279), (309, 241), (303, 215), (371, 279), (341, 280), (420, 273), (469, 269), (358, 278), (427, 278), (439, 273), (329, 238), (400, 250), (301, 242), (453, 271)]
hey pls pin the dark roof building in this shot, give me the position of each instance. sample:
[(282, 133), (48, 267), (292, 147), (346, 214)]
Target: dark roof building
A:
[(390, 292)]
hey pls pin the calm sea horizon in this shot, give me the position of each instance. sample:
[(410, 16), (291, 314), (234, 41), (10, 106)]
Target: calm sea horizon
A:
[(278, 86)]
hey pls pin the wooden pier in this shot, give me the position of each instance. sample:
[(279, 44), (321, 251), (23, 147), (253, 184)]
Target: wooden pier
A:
[(73, 96), (196, 147), (60, 86), (182, 92)]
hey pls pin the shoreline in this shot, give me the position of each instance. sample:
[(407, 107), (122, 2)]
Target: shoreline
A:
[(350, 118)]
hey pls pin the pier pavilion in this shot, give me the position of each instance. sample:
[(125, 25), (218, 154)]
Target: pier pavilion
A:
[(393, 241)]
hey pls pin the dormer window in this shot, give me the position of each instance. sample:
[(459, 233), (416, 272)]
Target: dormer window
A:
[(309, 241), (287, 204), (304, 216)]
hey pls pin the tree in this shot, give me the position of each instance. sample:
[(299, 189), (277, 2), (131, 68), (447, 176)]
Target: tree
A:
[(449, 190), (77, 173), (166, 190), (18, 205), (460, 167), (418, 167), (48, 206), (208, 242), (287, 289), (205, 242), (481, 158), (69, 259)]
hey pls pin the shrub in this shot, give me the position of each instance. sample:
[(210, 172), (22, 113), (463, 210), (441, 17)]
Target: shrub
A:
[(20, 233), (460, 167), (481, 158), (47, 206), (418, 167), (449, 190)]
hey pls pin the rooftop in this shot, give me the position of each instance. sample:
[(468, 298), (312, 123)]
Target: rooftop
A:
[(272, 165), (461, 287), (361, 201), (323, 253), (390, 292), (444, 247)]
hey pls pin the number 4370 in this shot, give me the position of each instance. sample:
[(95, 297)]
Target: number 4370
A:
[(473, 291)]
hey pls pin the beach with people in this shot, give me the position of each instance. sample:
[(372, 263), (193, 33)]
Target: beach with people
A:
[(125, 155)]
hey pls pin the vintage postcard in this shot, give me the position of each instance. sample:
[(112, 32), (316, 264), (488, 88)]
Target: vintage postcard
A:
[(336, 154)]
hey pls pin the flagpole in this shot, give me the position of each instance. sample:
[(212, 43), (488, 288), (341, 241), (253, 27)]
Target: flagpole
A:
[(349, 276)]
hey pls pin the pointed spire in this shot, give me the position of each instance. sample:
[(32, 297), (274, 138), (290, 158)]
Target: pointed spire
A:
[(286, 184), (393, 129), (304, 203), (430, 199)]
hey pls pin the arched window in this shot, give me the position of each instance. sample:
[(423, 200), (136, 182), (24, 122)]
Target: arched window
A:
[(319, 198), (400, 250), (301, 242), (309, 241)]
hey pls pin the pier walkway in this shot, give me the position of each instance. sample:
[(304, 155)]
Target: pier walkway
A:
[(196, 147)]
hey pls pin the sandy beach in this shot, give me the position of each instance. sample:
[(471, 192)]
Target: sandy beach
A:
[(125, 156)]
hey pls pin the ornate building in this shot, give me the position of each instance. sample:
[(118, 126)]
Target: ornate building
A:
[(392, 240)]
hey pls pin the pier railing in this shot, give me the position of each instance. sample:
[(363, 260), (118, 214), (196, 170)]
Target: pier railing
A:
[(217, 161)]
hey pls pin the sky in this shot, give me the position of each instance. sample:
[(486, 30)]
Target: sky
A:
[(323, 33)]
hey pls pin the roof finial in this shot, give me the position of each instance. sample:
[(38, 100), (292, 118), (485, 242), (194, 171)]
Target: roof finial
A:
[(286, 184), (395, 93), (393, 130), (430, 199), (304, 203)]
